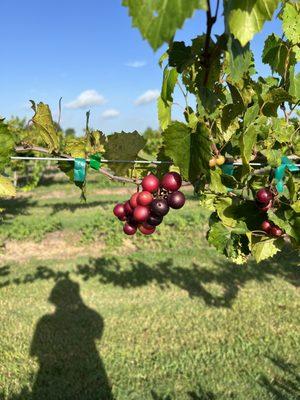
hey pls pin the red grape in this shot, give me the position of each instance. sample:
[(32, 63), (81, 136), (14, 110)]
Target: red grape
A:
[(171, 181), (266, 226), (141, 213), (154, 220), (150, 183), (264, 207), (176, 200), (146, 230), (264, 196), (129, 229), (159, 207), (119, 212), (133, 200), (276, 231), (144, 198), (127, 207)]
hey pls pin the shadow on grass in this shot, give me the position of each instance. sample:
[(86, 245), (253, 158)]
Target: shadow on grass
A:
[(286, 384), (17, 206), (75, 206), (136, 273), (64, 344), (199, 394), (230, 277)]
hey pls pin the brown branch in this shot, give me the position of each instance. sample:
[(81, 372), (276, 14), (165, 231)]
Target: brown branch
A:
[(210, 20)]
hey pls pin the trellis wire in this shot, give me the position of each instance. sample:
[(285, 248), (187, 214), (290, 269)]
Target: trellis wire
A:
[(71, 159)]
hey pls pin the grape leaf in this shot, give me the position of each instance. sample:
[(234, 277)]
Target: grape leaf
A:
[(276, 53), (7, 189), (240, 59), (296, 206), (180, 56), (247, 142), (280, 219), (219, 236), (7, 144), (290, 22), (189, 149), (159, 20), (164, 113), (44, 122), (76, 147), (225, 211), (294, 88), (245, 18), (262, 248), (216, 184), (125, 146), (170, 77)]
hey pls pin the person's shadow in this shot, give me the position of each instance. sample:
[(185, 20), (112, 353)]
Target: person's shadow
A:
[(64, 343)]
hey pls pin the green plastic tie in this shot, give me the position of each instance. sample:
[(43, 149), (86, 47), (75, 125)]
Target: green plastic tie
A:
[(79, 169), (227, 169), (95, 161), (286, 163)]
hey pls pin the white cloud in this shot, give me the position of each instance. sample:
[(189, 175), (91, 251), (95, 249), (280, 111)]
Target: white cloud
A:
[(87, 99), (110, 113), (136, 64), (147, 97)]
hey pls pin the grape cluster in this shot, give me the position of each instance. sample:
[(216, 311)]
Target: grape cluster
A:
[(264, 200), (145, 210), (271, 229)]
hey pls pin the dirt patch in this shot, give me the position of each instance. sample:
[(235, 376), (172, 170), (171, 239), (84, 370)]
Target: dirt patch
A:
[(56, 245)]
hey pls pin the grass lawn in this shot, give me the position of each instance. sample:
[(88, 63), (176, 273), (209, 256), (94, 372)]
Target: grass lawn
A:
[(87, 313)]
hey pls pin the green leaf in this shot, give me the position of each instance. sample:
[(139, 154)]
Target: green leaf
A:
[(7, 189), (164, 113), (7, 144), (262, 248), (44, 122), (273, 157), (245, 18), (76, 147), (189, 149), (180, 56), (240, 59), (294, 88), (290, 22), (276, 54), (251, 114), (247, 142), (216, 184), (225, 211), (280, 219), (169, 81), (125, 146), (296, 206), (219, 236), (158, 20)]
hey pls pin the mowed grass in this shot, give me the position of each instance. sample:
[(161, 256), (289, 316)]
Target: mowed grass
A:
[(87, 313)]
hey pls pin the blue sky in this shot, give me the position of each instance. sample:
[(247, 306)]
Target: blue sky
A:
[(54, 49)]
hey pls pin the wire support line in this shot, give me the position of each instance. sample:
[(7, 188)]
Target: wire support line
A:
[(72, 159)]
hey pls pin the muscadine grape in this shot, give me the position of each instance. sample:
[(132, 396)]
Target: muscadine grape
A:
[(264, 207), (264, 195), (171, 181), (133, 200), (276, 231), (159, 207), (144, 198), (266, 226), (154, 220), (146, 230), (212, 162), (129, 229), (150, 183), (176, 200), (141, 213), (119, 212), (127, 207), (220, 160)]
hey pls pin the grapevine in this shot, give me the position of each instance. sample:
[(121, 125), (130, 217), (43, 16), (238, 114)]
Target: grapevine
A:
[(239, 145)]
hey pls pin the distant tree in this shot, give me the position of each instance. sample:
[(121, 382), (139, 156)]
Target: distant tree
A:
[(70, 132), (154, 141)]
